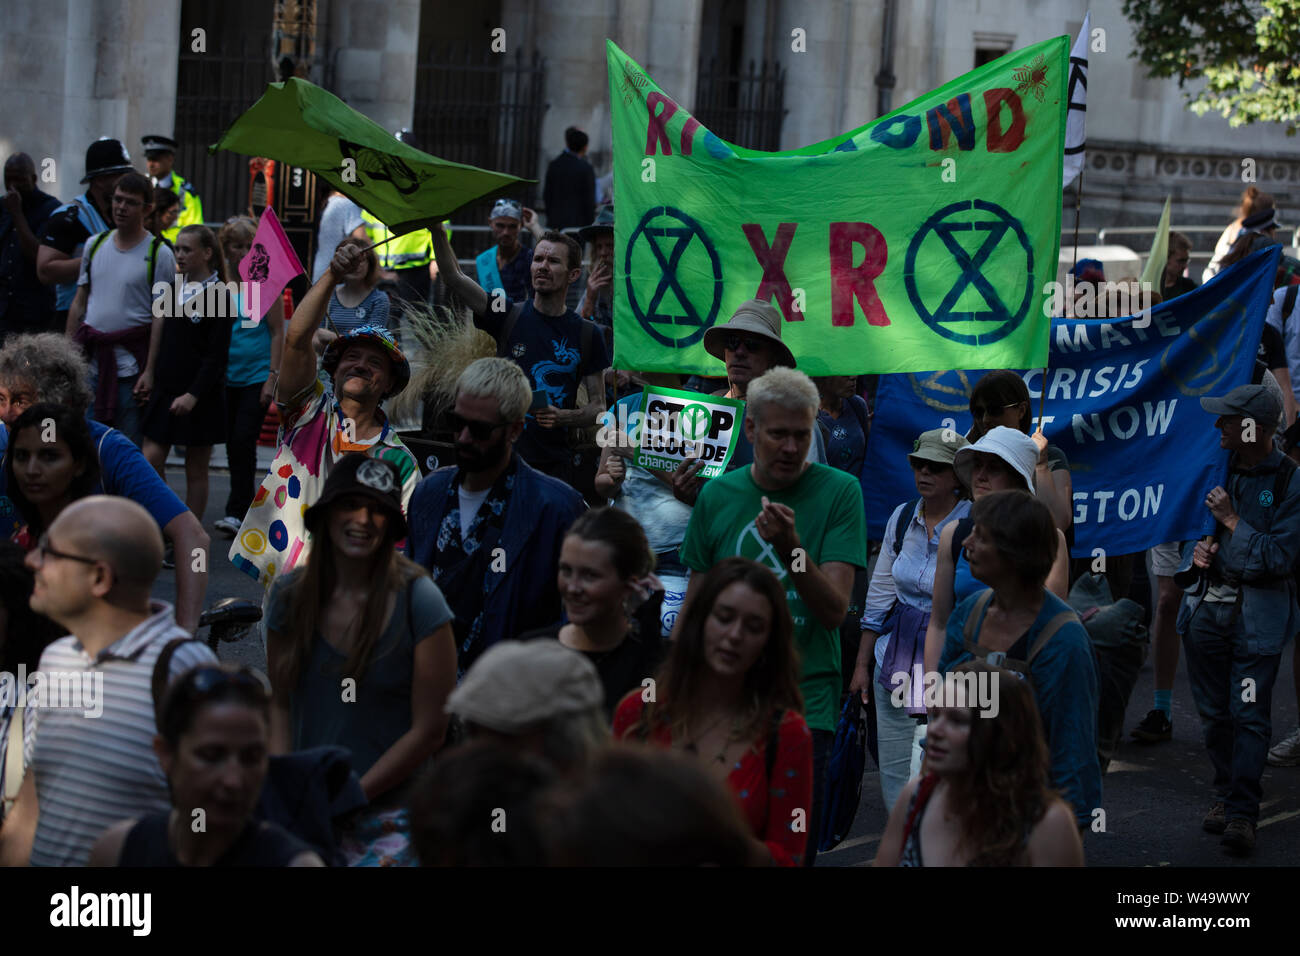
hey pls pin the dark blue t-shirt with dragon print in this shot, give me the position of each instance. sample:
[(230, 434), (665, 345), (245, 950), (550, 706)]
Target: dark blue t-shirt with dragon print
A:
[(548, 348)]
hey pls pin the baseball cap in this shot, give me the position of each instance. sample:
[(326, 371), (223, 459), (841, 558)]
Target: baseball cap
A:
[(1089, 270), (508, 208), (1252, 401), (515, 685)]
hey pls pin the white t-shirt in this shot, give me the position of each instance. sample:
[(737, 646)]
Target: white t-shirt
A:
[(470, 502), (120, 296)]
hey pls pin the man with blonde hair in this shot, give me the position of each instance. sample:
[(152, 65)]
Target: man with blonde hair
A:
[(489, 528), (802, 521)]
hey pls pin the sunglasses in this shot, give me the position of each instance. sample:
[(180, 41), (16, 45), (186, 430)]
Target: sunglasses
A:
[(989, 411), (43, 551), (752, 344), (933, 467), (479, 431), (205, 681)]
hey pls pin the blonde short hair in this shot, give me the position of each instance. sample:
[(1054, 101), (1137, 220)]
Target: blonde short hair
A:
[(501, 379), (787, 387)]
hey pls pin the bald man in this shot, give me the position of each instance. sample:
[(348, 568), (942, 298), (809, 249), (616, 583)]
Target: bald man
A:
[(26, 304), (93, 762)]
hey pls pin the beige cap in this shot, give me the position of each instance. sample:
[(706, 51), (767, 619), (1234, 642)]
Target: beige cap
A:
[(938, 444), (517, 684), (758, 318)]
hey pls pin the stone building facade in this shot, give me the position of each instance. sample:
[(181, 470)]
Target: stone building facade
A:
[(76, 71)]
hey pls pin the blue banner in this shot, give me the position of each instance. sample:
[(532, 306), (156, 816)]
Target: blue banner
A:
[(1122, 403)]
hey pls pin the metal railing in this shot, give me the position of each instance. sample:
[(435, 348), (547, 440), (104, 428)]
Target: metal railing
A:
[(212, 89), (477, 107), (745, 108)]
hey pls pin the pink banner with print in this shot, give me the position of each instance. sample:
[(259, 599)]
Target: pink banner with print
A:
[(269, 266)]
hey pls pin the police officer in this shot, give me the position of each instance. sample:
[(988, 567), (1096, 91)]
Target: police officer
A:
[(159, 154), (1236, 623), (58, 260)]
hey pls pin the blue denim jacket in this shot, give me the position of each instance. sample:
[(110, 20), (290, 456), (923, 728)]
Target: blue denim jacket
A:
[(1260, 556)]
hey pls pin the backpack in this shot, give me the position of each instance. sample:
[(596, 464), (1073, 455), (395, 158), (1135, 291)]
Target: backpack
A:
[(1288, 302), (959, 535), (162, 668), (150, 258), (904, 522), (999, 658)]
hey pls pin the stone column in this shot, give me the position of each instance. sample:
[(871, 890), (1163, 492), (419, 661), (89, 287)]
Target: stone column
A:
[(75, 72), (663, 36), (370, 56)]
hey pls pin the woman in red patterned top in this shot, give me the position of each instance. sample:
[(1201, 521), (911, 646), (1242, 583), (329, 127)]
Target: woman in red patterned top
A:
[(729, 692)]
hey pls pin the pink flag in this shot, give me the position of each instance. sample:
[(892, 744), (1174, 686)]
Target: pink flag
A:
[(268, 267)]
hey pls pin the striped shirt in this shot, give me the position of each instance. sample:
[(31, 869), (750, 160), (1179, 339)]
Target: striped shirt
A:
[(372, 310), (94, 772)]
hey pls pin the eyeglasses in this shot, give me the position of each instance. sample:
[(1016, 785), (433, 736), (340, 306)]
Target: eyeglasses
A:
[(479, 431), (44, 551), (751, 343), (988, 411), (126, 201)]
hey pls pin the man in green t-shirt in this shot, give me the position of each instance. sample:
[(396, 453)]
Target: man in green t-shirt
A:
[(805, 522)]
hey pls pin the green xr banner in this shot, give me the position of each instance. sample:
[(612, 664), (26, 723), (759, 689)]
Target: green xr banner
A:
[(920, 242)]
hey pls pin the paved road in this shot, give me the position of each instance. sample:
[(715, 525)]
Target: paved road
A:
[(224, 580), (1154, 796)]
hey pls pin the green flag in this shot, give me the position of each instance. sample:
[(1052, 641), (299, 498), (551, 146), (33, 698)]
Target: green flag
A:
[(1154, 271), (922, 241), (299, 123)]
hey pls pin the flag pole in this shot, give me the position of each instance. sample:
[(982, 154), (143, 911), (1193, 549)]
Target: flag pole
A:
[(1074, 256), (391, 237)]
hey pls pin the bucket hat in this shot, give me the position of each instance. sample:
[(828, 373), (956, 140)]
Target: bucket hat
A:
[(1010, 444), (757, 318), (359, 474), (369, 333)]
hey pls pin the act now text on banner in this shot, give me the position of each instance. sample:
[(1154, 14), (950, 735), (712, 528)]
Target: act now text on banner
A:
[(1123, 404)]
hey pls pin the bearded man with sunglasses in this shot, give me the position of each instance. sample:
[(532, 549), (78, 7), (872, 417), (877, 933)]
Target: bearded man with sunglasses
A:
[(94, 762), (489, 528)]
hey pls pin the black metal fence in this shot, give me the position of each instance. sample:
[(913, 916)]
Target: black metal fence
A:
[(745, 108), (212, 89), (484, 109)]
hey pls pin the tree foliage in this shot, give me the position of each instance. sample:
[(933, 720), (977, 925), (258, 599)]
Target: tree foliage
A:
[(1246, 52)]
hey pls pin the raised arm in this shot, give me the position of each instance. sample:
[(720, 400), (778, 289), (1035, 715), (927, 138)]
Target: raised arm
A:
[(469, 291), (298, 365)]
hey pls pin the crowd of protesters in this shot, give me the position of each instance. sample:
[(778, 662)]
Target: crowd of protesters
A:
[(633, 666)]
